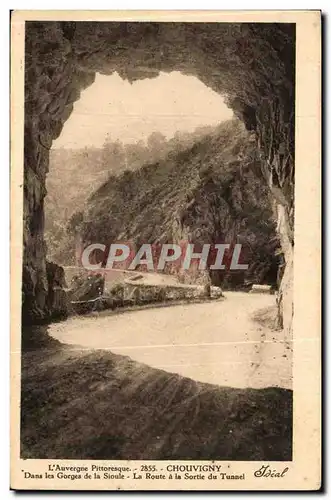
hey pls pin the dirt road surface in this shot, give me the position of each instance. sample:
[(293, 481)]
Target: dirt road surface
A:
[(133, 385), (214, 342)]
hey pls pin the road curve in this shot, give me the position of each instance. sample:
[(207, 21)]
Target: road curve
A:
[(213, 342)]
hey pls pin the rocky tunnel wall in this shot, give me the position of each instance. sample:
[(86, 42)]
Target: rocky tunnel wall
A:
[(253, 65)]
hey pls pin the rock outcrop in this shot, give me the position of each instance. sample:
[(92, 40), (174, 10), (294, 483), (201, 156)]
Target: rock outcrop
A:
[(209, 193), (252, 64), (57, 305)]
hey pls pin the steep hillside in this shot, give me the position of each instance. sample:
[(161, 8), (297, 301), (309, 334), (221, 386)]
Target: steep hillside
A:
[(75, 174), (211, 192)]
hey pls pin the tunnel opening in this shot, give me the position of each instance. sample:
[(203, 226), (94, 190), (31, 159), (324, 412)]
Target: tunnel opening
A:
[(252, 64), (149, 134), (116, 128)]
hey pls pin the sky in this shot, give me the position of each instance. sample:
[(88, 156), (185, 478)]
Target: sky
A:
[(112, 108)]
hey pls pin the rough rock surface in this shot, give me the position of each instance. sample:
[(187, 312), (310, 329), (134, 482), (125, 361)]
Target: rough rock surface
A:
[(252, 64), (56, 297)]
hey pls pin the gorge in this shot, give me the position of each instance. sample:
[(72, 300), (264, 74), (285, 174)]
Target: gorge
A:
[(252, 64)]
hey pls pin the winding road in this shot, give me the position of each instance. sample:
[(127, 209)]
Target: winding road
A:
[(214, 342)]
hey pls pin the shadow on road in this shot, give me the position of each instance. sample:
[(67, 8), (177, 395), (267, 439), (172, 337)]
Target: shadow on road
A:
[(98, 405)]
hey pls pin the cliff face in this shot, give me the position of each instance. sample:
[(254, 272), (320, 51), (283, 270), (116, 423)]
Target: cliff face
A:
[(252, 64), (212, 192)]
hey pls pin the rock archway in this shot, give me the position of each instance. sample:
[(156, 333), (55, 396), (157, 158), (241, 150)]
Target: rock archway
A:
[(253, 65)]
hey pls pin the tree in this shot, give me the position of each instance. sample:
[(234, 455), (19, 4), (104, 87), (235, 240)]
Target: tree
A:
[(114, 157), (156, 143)]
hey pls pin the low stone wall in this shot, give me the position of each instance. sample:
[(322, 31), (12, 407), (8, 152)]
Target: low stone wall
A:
[(132, 293), (141, 293), (149, 293), (261, 289)]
